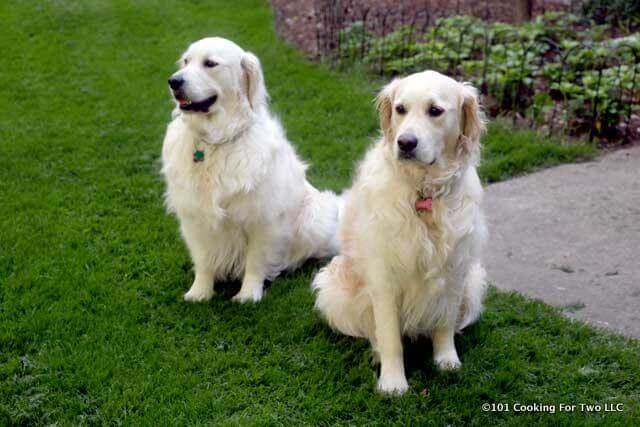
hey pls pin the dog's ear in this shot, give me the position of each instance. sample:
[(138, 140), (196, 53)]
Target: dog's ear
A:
[(253, 81), (384, 105), (473, 123)]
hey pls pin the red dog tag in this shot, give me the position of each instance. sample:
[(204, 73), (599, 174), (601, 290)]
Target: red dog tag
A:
[(424, 204)]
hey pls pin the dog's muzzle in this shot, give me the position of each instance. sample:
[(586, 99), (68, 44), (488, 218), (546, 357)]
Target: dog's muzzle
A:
[(176, 84)]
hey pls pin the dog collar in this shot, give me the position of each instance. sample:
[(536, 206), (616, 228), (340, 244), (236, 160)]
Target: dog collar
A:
[(198, 153), (424, 204)]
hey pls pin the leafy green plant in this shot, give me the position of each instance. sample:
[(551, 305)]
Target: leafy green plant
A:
[(570, 60), (616, 12)]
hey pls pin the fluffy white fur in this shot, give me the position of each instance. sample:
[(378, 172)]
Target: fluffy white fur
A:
[(402, 271), (246, 211)]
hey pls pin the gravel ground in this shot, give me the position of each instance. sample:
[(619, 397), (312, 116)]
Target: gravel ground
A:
[(571, 237)]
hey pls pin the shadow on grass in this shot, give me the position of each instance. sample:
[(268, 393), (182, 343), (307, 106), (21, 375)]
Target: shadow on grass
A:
[(226, 289)]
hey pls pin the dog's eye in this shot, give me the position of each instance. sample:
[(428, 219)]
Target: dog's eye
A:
[(209, 63), (400, 109), (185, 61), (435, 111)]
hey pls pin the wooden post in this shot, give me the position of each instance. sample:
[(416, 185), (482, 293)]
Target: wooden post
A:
[(524, 10)]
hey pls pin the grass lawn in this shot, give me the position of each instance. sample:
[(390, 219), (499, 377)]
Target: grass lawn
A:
[(93, 328)]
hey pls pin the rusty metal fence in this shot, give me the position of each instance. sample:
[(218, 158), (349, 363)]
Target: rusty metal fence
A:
[(540, 75)]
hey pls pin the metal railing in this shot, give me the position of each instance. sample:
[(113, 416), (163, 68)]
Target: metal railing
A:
[(543, 83)]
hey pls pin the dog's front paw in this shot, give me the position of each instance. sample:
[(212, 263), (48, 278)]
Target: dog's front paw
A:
[(199, 294), (448, 361), (393, 384), (251, 295)]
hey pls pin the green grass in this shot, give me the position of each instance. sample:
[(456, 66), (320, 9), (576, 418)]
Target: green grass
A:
[(509, 152), (92, 326)]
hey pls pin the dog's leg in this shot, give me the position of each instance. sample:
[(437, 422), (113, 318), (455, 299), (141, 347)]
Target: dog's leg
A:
[(444, 348), (252, 288), (388, 339), (337, 290), (474, 290), (202, 287), (200, 244)]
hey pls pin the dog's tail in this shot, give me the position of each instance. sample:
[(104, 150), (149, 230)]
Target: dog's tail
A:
[(339, 298), (474, 290), (319, 223)]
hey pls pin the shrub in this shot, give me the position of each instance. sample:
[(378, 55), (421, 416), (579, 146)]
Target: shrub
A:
[(555, 63), (621, 13)]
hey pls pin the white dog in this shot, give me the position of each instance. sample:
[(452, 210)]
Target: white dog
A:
[(236, 184), (412, 228)]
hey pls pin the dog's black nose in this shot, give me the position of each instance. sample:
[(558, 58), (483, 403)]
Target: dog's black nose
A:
[(407, 142), (176, 82)]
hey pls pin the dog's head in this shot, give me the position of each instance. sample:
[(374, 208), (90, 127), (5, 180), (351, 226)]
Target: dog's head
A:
[(216, 74), (429, 119)]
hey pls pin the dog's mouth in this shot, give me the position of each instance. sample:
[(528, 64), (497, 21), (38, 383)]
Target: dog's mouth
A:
[(412, 157), (406, 156), (196, 106)]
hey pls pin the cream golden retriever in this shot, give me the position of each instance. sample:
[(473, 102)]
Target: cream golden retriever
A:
[(413, 229), (239, 190)]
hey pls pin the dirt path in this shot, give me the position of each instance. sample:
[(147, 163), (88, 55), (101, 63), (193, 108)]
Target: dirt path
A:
[(571, 237)]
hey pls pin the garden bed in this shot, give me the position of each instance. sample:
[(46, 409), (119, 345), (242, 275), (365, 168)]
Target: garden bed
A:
[(558, 73), (312, 25)]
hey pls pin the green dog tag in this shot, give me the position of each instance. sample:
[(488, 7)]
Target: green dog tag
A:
[(198, 156)]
